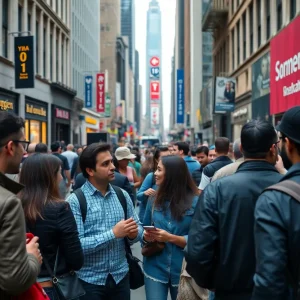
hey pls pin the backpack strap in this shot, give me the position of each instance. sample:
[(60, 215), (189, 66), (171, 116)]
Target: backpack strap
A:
[(82, 203), (288, 187), (121, 198)]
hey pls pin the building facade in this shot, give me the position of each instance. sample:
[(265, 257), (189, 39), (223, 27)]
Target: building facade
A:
[(85, 37), (48, 107), (153, 68), (243, 32)]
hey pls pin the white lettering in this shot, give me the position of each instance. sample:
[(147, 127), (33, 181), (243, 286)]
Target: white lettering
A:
[(288, 67), (292, 89)]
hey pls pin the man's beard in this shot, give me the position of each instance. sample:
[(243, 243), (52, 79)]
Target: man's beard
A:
[(286, 161)]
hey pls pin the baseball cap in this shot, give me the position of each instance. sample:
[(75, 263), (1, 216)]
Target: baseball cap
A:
[(212, 147), (290, 124), (124, 153)]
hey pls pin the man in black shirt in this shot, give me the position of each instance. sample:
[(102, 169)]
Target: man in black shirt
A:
[(65, 169)]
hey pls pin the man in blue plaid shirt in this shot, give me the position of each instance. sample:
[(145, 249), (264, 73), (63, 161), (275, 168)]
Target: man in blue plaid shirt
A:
[(104, 274)]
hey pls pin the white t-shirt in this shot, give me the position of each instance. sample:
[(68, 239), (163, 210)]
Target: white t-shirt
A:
[(70, 155)]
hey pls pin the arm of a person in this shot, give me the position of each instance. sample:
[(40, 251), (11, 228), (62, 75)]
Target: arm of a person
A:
[(69, 240), (74, 167), (128, 188), (148, 214), (147, 184), (132, 214), (19, 269), (205, 180), (93, 243), (67, 171), (202, 239), (271, 255), (136, 179)]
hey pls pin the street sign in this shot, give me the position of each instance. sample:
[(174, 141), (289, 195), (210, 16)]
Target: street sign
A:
[(100, 93), (154, 90), (24, 62), (180, 97), (154, 61), (154, 72), (88, 91)]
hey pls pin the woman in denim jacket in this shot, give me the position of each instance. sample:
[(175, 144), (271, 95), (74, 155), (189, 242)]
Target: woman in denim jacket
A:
[(173, 211)]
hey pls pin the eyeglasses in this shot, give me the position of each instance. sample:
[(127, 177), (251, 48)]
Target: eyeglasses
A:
[(24, 144)]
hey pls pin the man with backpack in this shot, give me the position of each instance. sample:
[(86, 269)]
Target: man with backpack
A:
[(277, 223), (104, 227)]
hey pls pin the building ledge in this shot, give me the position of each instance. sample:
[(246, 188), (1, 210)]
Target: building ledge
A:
[(6, 61), (64, 88)]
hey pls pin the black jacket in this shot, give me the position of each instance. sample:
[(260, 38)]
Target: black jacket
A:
[(220, 252), (120, 181), (58, 229), (197, 176), (277, 240)]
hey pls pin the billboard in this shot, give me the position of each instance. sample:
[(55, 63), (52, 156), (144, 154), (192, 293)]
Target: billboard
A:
[(285, 68), (24, 62), (100, 91), (180, 97), (154, 115), (154, 90), (206, 103), (88, 80), (224, 94)]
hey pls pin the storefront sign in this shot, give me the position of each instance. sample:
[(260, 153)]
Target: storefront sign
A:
[(224, 94), (240, 112), (88, 91), (24, 62), (285, 69), (100, 91), (6, 105), (62, 114), (90, 120), (154, 90), (180, 97), (40, 111)]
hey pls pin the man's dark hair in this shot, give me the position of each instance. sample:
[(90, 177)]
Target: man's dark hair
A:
[(10, 124), (88, 157), (184, 147), (202, 149), (257, 137), (41, 148), (222, 145), (55, 146)]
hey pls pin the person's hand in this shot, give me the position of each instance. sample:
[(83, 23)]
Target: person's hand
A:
[(148, 236), (33, 248), (124, 228), (160, 235), (279, 165), (68, 184), (150, 192)]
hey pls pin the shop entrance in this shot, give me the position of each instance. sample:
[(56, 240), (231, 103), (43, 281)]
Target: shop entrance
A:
[(63, 132)]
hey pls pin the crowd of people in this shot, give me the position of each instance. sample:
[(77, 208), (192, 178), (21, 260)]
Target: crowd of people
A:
[(223, 218)]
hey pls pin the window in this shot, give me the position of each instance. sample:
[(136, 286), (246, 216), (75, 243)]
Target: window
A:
[(292, 9), (57, 70), (238, 42), (244, 37), (20, 18), (258, 23), (268, 27), (232, 50), (279, 14), (44, 54), (62, 62), (251, 27), (37, 47), (29, 23), (4, 28), (51, 59)]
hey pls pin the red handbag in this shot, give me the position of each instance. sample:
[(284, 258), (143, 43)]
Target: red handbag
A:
[(35, 292)]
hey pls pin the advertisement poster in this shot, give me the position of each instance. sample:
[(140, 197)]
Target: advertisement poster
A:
[(154, 115), (180, 97), (224, 94), (154, 90), (100, 91), (285, 69)]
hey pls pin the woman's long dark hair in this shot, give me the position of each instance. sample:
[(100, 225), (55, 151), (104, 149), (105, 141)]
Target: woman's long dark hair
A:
[(39, 175), (177, 187)]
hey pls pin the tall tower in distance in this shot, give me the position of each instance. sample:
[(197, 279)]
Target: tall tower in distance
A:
[(153, 68)]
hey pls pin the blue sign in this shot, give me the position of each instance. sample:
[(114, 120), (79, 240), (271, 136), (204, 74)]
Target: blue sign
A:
[(88, 91), (180, 97), (154, 72)]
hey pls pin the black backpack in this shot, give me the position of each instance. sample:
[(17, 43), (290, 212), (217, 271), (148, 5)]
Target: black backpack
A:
[(136, 275)]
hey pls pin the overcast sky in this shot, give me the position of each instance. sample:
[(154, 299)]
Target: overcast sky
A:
[(168, 34)]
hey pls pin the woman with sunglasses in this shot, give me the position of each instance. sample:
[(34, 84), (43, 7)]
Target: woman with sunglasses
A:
[(170, 213), (50, 218)]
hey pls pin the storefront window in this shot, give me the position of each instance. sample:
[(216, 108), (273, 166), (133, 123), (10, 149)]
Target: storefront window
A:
[(35, 129)]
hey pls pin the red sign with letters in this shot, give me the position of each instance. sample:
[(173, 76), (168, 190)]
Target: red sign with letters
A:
[(285, 69), (100, 91), (154, 90), (62, 114)]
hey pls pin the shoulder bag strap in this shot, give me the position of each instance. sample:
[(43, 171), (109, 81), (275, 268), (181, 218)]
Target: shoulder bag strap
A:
[(82, 203), (288, 187)]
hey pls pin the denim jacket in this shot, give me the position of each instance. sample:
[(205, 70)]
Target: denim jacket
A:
[(166, 266)]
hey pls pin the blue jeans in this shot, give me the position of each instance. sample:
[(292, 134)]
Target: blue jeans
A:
[(159, 291), (211, 295), (109, 291)]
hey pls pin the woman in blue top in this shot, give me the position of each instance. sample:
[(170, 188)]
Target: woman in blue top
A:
[(149, 187), (174, 206)]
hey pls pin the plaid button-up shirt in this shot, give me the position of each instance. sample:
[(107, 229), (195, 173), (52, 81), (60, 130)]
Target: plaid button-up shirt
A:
[(104, 254)]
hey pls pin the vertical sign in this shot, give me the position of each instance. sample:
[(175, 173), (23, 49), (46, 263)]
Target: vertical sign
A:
[(180, 96), (100, 93), (154, 90), (107, 106), (88, 91), (24, 62)]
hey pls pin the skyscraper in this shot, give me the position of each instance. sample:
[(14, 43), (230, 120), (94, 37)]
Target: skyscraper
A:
[(128, 27), (153, 66)]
